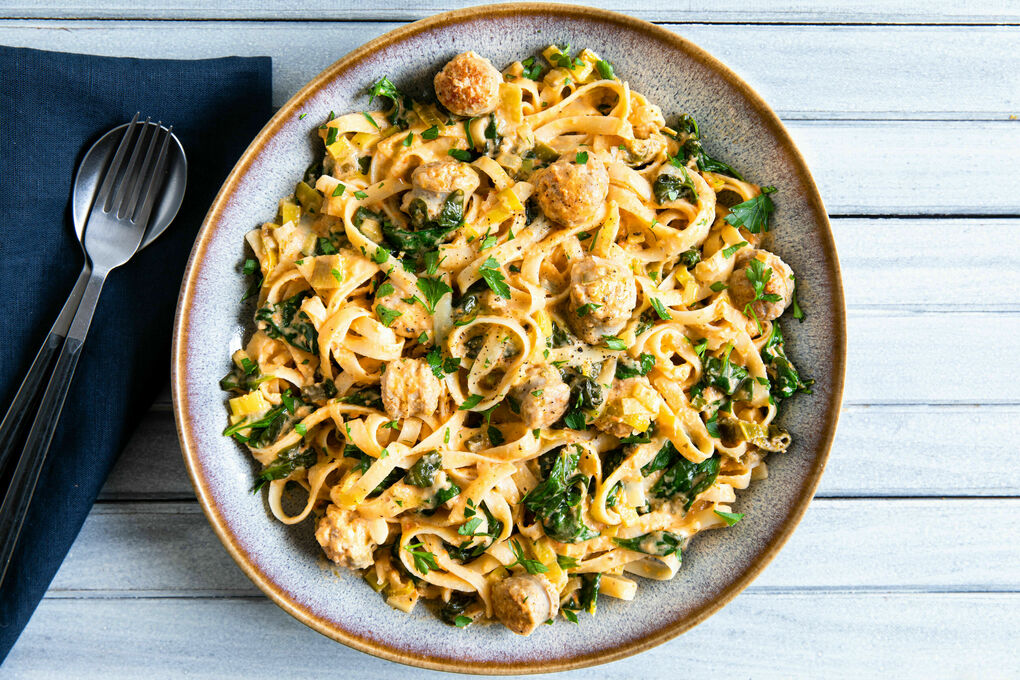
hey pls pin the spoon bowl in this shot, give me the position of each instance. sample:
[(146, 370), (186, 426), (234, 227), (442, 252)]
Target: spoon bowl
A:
[(86, 183)]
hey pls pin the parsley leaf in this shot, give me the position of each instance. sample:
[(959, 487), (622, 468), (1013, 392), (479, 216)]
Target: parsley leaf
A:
[(431, 133), (423, 559), (380, 255), (605, 69), (586, 309), (581, 158), (728, 252), (461, 155), (753, 214), (387, 315), (661, 310), (719, 286), (615, 343), (438, 364), (531, 566), (494, 278), (532, 68), (626, 369), (433, 289), (730, 518), (661, 543), (469, 403)]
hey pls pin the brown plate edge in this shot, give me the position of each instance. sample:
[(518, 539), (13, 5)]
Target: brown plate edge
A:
[(368, 646)]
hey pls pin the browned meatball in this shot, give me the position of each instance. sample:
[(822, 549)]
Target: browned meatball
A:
[(571, 193), (741, 288), (345, 538), (433, 182), (410, 388), (543, 396), (602, 297), (523, 602), (468, 85)]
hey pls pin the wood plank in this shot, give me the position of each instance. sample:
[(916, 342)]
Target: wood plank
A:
[(930, 264), (759, 635), (906, 161), (742, 11), (879, 451), (169, 550), (855, 71), (927, 358)]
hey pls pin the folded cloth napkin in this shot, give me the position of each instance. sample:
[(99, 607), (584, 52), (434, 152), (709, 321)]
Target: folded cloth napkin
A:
[(54, 106)]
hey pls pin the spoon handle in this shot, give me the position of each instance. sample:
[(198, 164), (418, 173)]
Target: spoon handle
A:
[(29, 466), (27, 396)]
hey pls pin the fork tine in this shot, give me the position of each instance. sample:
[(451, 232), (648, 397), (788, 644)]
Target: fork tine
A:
[(113, 169), (131, 172), (155, 180), (140, 179)]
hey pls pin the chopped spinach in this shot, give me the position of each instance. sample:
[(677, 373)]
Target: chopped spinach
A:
[(423, 473), (661, 543), (669, 187), (724, 374), (285, 464), (625, 368), (557, 500), (384, 87), (427, 233), (284, 320), (684, 480), (786, 380)]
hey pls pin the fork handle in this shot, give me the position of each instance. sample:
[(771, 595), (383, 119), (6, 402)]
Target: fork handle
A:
[(27, 396), (29, 466)]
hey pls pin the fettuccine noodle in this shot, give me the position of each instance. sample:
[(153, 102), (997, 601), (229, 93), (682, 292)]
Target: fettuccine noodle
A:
[(516, 349)]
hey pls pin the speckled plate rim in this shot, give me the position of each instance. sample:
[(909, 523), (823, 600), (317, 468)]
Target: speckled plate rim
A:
[(293, 106)]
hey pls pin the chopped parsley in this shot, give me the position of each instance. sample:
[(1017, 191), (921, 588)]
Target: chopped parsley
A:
[(728, 252), (469, 403), (494, 278), (531, 566), (661, 310), (754, 213), (433, 289), (730, 518), (387, 315), (614, 343), (423, 559)]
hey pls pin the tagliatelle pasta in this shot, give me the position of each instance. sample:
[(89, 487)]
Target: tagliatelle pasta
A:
[(515, 349)]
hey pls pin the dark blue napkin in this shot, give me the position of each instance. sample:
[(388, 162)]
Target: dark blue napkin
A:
[(53, 106)]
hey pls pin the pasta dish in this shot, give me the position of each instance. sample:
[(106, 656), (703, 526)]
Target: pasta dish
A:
[(513, 349)]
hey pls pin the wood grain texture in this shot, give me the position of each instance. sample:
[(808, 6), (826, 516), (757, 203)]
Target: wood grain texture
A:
[(930, 264), (879, 451), (169, 550), (801, 71), (728, 11), (911, 135), (758, 635)]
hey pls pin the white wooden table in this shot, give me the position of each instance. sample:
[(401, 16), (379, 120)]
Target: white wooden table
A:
[(908, 563)]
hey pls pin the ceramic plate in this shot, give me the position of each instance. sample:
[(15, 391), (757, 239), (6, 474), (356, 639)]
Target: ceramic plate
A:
[(285, 561)]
